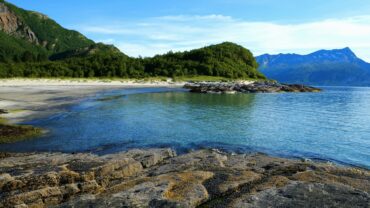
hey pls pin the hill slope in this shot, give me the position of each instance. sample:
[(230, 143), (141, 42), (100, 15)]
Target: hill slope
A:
[(226, 60), (324, 67), (29, 32), (33, 45)]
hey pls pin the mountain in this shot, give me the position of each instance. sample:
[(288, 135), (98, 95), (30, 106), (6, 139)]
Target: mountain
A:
[(226, 60), (87, 51), (324, 67), (31, 35), (33, 45)]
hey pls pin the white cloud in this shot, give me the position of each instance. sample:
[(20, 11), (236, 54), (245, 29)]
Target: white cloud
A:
[(147, 49), (196, 17), (161, 34)]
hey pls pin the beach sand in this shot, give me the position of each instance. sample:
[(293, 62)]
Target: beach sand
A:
[(26, 99)]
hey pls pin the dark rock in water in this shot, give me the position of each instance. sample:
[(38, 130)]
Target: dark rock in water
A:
[(13, 133), (2, 111), (247, 87), (159, 178), (110, 98)]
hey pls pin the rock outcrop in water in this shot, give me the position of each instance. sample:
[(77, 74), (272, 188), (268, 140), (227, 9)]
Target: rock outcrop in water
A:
[(159, 178), (3, 111), (250, 87)]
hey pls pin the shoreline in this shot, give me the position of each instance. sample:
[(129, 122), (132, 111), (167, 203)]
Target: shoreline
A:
[(159, 177), (26, 99), (87, 82)]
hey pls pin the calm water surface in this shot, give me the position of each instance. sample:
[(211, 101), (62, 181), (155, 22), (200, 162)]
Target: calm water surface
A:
[(333, 125)]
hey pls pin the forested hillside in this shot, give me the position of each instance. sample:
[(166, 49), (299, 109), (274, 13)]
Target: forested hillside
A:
[(31, 36), (33, 45), (225, 60)]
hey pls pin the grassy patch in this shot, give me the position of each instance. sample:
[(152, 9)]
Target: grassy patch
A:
[(16, 111), (201, 78), (3, 121), (14, 133), (210, 79)]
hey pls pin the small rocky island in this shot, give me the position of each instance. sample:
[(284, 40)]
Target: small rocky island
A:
[(247, 87), (160, 178)]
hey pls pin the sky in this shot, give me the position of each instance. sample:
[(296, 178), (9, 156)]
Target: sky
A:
[(148, 27)]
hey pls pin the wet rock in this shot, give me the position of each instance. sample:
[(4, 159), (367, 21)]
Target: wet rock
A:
[(235, 180), (47, 196), (171, 190), (68, 177), (87, 200), (70, 190), (4, 155), (251, 87), (2, 111), (90, 187), (159, 178), (118, 169), (299, 194), (323, 177), (187, 187), (146, 158), (271, 182), (33, 182), (13, 185), (201, 160)]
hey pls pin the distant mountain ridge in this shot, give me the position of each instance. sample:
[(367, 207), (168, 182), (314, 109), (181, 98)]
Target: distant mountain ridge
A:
[(323, 67)]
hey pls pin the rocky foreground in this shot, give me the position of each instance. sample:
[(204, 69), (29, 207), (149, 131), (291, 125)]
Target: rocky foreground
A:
[(249, 87), (159, 178)]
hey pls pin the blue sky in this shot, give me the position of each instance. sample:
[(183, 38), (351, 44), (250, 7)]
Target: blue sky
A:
[(146, 27)]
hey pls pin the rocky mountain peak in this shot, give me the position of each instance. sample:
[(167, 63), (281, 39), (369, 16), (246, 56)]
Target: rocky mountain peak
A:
[(324, 67), (8, 21), (344, 55), (348, 52), (13, 25), (340, 55)]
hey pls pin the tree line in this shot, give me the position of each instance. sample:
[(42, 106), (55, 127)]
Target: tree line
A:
[(226, 60)]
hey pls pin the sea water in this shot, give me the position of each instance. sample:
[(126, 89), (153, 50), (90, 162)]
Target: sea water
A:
[(333, 125)]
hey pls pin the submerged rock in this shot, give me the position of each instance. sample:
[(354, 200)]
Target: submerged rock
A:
[(159, 178), (247, 87), (3, 111), (14, 133)]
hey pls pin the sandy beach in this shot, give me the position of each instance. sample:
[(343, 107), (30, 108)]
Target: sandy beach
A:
[(30, 98)]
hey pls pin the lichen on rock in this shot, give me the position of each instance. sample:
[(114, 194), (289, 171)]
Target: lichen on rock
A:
[(160, 178)]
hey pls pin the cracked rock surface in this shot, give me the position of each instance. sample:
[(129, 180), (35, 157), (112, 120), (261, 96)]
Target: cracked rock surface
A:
[(160, 178)]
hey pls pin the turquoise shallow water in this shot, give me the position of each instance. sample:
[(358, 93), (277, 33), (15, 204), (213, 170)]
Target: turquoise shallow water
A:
[(333, 125)]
